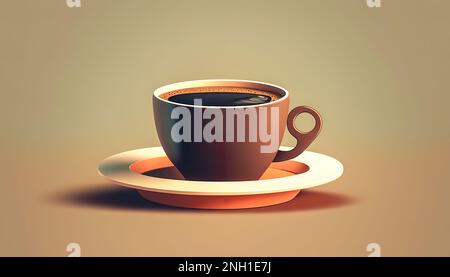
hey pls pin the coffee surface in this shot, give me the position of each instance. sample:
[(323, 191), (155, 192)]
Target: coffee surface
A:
[(221, 96), (221, 99)]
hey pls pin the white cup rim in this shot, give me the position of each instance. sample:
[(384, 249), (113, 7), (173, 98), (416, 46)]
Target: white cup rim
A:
[(222, 82)]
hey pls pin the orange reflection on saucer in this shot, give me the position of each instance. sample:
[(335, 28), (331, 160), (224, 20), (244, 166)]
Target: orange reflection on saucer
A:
[(162, 167)]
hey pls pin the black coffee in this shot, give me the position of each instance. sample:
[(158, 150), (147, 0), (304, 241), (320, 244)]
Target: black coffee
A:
[(221, 98)]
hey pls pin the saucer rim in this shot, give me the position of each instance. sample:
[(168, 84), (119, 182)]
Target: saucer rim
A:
[(116, 168)]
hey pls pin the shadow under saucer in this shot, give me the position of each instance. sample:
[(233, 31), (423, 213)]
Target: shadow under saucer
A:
[(110, 196)]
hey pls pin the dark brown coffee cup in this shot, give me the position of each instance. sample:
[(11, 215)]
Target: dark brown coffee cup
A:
[(237, 160)]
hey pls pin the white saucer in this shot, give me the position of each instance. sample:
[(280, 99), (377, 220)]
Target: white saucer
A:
[(163, 183)]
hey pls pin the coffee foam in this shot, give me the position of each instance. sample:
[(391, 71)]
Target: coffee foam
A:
[(218, 89)]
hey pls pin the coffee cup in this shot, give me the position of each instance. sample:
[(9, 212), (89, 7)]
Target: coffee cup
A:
[(227, 130)]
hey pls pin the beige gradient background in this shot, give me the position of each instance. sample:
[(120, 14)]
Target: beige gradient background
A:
[(76, 87)]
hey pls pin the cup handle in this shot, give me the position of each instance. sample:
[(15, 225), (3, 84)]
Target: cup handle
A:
[(304, 139)]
